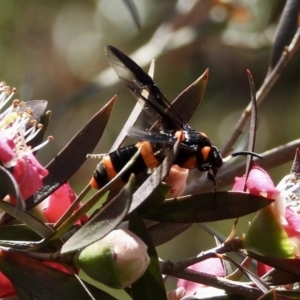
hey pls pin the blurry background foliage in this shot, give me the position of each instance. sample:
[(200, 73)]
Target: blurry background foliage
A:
[(54, 50)]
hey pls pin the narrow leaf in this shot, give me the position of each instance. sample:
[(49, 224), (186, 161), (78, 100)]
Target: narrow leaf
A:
[(253, 124), (134, 12), (38, 139), (107, 219), (9, 186), (150, 286), (253, 277), (291, 266), (278, 277), (207, 207), (38, 108), (21, 294), (286, 30), (18, 232), (152, 182), (296, 164), (187, 101), (38, 111), (156, 198), (41, 281), (270, 295), (69, 160), (163, 232), (25, 217)]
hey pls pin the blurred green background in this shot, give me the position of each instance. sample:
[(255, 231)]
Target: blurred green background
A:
[(54, 50)]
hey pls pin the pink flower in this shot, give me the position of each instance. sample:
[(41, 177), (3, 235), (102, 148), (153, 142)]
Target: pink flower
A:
[(57, 203), (259, 183), (176, 294), (29, 174), (287, 205), (286, 195), (187, 288), (17, 129), (52, 208), (176, 180), (6, 288), (6, 149)]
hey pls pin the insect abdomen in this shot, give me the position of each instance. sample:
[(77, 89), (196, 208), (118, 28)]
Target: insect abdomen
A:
[(113, 162)]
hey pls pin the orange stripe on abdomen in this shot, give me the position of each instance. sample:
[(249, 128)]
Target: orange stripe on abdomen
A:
[(147, 154)]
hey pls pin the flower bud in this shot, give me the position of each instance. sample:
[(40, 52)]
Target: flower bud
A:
[(213, 266), (177, 180), (117, 260), (266, 236)]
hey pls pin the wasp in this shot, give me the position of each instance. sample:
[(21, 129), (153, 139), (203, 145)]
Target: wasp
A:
[(196, 150)]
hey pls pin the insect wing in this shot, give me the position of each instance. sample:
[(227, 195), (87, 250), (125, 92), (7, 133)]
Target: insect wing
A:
[(150, 136), (136, 80), (155, 137)]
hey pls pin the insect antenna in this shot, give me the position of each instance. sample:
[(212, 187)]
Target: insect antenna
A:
[(96, 156), (241, 153)]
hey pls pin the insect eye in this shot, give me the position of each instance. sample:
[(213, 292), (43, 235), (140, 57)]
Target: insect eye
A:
[(217, 158), (204, 134)]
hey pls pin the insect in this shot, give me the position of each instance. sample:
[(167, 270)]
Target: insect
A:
[(196, 150)]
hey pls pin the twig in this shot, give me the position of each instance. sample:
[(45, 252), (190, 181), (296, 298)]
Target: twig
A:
[(214, 281), (271, 158), (270, 80)]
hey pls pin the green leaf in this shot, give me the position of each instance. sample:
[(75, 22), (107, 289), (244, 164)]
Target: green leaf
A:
[(133, 10), (163, 232), (41, 281), (279, 277), (107, 219), (69, 160), (150, 286), (38, 139), (158, 195), (38, 108), (266, 236), (154, 181), (285, 32), (25, 217), (270, 295), (253, 126), (39, 114), (296, 164), (18, 232), (9, 186), (207, 207), (291, 266), (21, 294), (188, 100)]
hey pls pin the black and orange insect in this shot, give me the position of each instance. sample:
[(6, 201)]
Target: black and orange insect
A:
[(196, 150)]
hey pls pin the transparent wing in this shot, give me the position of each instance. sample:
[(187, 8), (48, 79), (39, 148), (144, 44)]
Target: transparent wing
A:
[(136, 80)]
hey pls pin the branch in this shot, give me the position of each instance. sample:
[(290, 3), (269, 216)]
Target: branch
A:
[(270, 80)]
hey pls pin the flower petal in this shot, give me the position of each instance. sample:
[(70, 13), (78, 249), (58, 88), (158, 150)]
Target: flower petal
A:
[(28, 180), (211, 266), (259, 183), (177, 180), (58, 202), (176, 294), (6, 149), (6, 288)]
